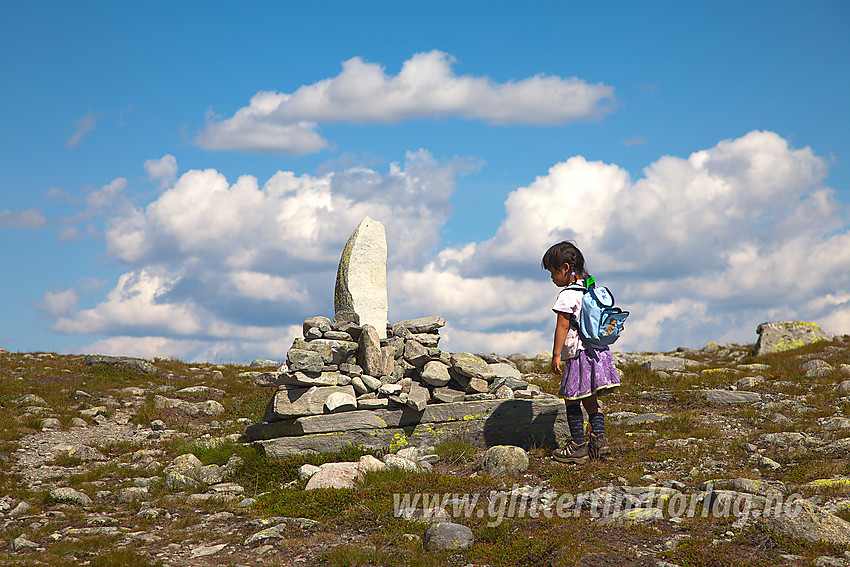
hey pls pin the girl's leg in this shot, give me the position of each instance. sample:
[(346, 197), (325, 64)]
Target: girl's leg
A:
[(576, 450), (591, 404), (575, 419), (598, 442)]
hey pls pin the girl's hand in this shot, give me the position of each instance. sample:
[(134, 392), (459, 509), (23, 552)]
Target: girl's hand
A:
[(556, 363)]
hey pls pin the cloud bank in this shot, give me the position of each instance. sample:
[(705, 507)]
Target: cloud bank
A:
[(425, 87), (699, 248)]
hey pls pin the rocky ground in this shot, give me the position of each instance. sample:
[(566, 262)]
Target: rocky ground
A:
[(109, 461)]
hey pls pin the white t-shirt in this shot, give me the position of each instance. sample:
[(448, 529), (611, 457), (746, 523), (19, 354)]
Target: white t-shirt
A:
[(568, 302)]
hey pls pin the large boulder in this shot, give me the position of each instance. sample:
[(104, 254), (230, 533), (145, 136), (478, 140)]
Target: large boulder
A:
[(805, 520), (787, 335), (361, 280)]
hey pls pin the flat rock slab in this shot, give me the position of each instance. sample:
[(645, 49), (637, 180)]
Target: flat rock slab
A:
[(731, 397), (810, 523), (423, 324), (665, 363), (358, 419), (361, 281), (640, 418), (485, 423)]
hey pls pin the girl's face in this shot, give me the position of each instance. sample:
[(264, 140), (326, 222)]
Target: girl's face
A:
[(561, 277)]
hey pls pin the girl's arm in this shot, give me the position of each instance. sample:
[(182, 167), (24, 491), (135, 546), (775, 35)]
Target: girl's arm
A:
[(562, 326)]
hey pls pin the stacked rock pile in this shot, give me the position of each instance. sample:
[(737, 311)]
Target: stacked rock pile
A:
[(342, 378)]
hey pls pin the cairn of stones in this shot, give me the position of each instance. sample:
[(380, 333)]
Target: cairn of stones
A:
[(356, 379)]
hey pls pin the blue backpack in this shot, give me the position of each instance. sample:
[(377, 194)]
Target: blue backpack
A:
[(600, 323)]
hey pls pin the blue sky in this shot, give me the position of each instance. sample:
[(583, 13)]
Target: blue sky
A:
[(697, 153)]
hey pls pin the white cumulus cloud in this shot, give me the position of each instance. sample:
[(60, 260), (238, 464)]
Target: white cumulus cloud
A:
[(212, 262), (425, 87), (162, 170), (700, 247)]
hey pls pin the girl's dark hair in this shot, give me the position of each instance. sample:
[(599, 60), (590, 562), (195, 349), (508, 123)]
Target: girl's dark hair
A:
[(564, 253)]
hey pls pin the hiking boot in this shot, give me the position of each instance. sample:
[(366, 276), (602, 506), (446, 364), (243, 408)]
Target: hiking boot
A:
[(571, 453), (597, 446)]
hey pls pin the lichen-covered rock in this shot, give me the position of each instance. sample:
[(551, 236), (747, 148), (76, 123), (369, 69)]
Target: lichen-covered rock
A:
[(323, 324), (447, 536), (802, 519), (472, 366), (504, 460), (787, 335), (66, 494), (299, 360)]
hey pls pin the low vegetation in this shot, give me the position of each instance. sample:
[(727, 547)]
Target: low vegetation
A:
[(695, 442)]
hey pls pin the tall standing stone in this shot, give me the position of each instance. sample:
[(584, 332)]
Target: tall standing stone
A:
[(361, 280)]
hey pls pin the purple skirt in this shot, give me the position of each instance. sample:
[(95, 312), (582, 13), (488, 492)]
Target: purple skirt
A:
[(591, 372)]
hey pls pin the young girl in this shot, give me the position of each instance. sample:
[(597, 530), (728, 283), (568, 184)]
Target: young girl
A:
[(588, 372)]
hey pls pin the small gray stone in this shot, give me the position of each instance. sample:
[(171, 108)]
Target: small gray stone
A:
[(447, 536), (428, 340), (338, 336), (333, 475), (504, 460), (504, 393), (418, 397), (21, 543), (307, 470), (85, 453), (436, 374), (304, 361), (748, 382), (505, 370), (350, 369), (20, 510), (415, 353), (359, 387), (397, 462), (423, 324), (340, 401), (371, 382), (319, 322), (448, 395), (815, 364), (67, 494)]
